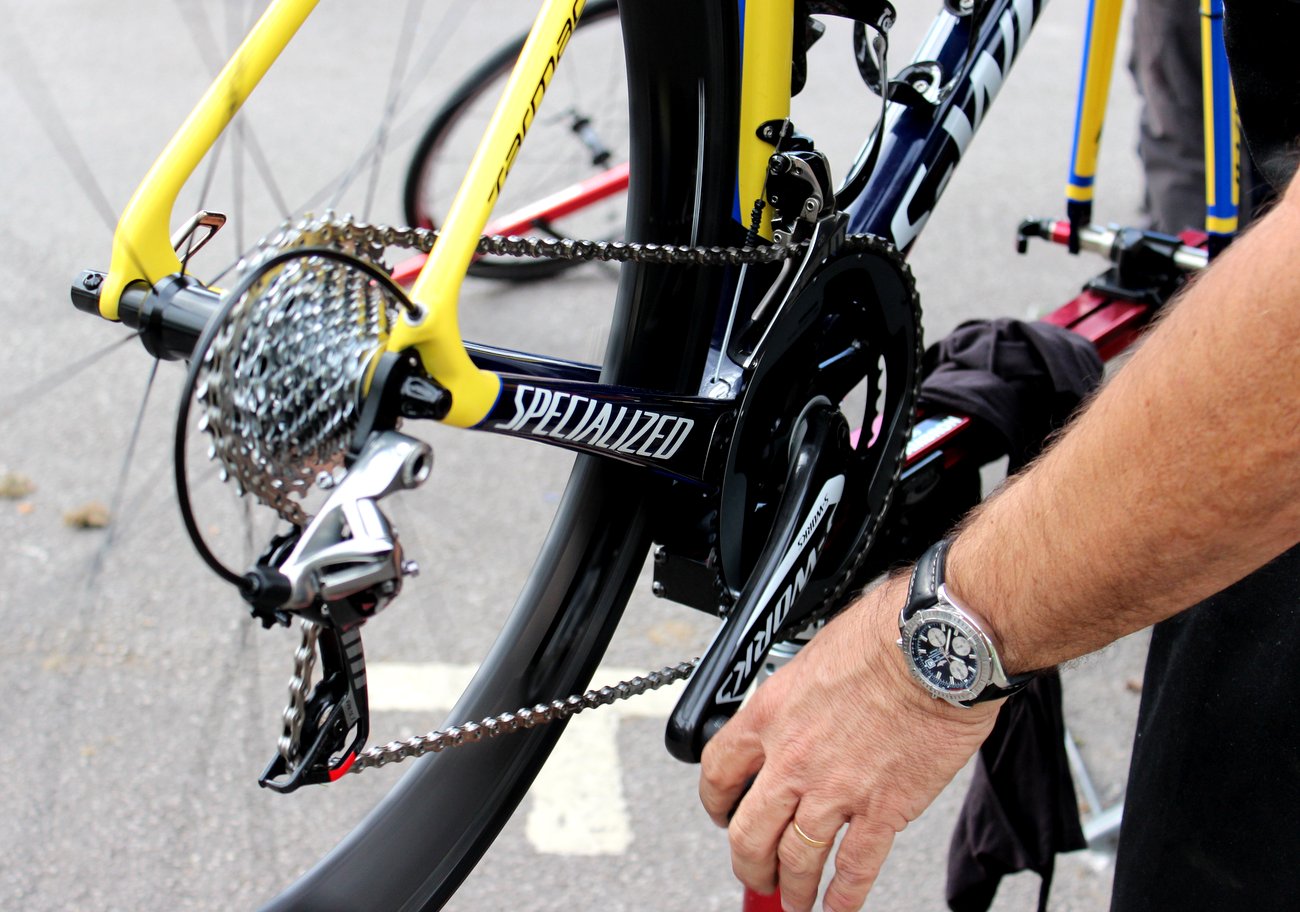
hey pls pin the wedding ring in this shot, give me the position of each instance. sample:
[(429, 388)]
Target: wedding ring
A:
[(806, 839)]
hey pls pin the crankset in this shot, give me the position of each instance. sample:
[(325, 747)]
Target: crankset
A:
[(787, 585), (827, 409)]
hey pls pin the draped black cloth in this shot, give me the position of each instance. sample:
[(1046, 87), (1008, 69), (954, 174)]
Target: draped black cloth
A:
[(1018, 382)]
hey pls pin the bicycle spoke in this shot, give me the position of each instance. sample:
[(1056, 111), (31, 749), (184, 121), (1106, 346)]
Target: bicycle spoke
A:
[(246, 142), (36, 391), (400, 63), (398, 95), (263, 166), (209, 175), (119, 488), (250, 147), (372, 154), (25, 75), (22, 71)]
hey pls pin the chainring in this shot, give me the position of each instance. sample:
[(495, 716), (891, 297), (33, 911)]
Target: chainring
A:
[(853, 338)]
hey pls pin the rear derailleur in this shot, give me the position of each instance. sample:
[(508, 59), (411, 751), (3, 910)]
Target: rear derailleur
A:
[(336, 572)]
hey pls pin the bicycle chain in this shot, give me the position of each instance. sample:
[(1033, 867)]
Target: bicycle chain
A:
[(362, 236), (331, 229), (521, 719), (304, 659)]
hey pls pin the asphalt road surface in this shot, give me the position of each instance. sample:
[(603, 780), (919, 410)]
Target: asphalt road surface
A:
[(140, 703)]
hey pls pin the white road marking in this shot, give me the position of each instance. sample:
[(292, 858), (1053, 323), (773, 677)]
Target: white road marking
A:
[(577, 802)]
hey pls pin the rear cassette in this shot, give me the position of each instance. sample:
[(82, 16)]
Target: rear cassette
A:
[(280, 380)]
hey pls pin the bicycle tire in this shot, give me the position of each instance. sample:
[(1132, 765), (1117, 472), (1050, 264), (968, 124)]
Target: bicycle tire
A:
[(443, 151), (570, 605)]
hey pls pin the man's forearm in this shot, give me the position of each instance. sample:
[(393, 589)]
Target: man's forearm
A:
[(1182, 476)]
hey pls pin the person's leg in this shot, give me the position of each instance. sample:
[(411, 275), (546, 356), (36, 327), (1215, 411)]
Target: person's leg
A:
[(1166, 65), (1212, 813)]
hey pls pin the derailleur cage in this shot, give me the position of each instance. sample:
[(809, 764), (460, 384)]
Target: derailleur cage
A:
[(800, 190), (338, 705), (336, 572), (339, 569)]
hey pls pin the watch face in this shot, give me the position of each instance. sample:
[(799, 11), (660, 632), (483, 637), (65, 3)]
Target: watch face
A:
[(942, 653), (946, 654)]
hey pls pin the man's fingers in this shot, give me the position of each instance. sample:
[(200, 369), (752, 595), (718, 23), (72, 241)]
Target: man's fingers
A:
[(728, 766), (805, 845), (755, 830), (861, 853)]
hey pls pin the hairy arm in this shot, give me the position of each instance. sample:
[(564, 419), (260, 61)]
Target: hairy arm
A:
[(1182, 476)]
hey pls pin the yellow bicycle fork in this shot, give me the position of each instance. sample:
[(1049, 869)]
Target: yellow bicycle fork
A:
[(142, 250)]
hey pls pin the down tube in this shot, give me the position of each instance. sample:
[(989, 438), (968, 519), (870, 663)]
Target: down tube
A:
[(416, 846), (923, 144)]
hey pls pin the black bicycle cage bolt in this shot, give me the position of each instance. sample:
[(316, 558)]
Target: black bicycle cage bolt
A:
[(658, 589), (91, 281)]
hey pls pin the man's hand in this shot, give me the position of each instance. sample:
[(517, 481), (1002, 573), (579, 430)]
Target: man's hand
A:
[(840, 735)]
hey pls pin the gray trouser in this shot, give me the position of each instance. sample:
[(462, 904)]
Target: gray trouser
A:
[(1166, 65)]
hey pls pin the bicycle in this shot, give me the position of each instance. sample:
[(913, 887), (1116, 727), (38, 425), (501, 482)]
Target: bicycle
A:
[(664, 448)]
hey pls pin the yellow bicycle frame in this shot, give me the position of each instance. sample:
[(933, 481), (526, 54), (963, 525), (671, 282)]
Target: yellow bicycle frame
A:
[(768, 35), (142, 250), (437, 288)]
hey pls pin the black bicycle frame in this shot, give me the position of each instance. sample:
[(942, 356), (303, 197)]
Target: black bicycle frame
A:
[(924, 142)]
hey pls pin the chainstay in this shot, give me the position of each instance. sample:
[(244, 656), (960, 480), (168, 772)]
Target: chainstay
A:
[(525, 718)]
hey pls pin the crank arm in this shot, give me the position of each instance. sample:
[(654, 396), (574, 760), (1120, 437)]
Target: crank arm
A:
[(782, 590), (337, 706)]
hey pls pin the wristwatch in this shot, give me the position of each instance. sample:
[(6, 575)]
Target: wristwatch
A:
[(948, 649)]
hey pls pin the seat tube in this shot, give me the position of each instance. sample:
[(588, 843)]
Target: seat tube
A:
[(767, 44)]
